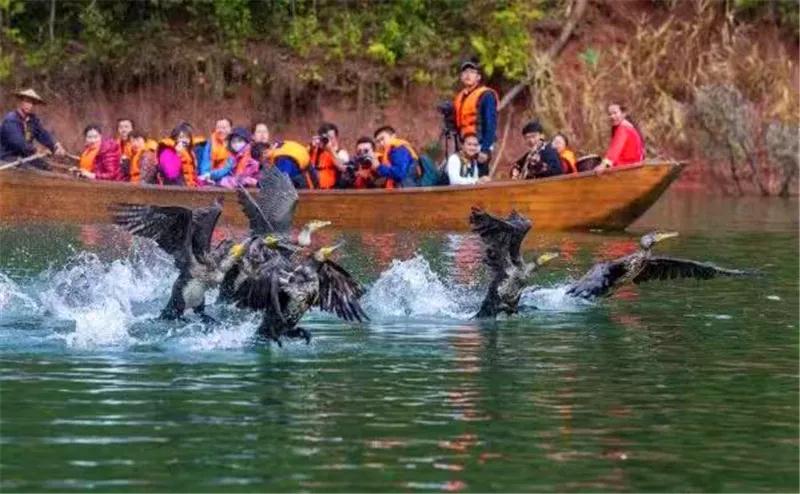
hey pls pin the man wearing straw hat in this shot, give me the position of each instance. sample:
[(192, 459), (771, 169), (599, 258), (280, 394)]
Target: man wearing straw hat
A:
[(21, 127)]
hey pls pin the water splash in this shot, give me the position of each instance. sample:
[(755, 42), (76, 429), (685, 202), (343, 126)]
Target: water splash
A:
[(13, 298), (552, 299), (411, 288)]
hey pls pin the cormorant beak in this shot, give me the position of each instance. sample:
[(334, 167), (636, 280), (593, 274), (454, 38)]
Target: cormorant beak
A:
[(317, 224), (658, 237), (326, 252), (271, 241), (237, 250), (545, 258)]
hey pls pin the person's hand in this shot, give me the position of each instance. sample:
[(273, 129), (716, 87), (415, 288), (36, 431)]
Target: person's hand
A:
[(59, 150), (484, 179), (88, 175), (514, 174), (603, 166)]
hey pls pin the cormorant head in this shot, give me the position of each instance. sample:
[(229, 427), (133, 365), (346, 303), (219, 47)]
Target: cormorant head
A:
[(324, 253), (271, 241), (315, 225), (237, 251), (648, 241), (545, 258)]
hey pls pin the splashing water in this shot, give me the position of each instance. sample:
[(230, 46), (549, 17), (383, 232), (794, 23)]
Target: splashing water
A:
[(411, 288), (552, 299), (13, 298)]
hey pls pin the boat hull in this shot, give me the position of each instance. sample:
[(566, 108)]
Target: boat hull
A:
[(610, 201)]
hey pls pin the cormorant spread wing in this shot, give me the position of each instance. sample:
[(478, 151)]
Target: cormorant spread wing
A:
[(503, 238), (339, 293), (667, 268), (599, 280), (204, 221), (262, 290), (170, 226), (272, 210)]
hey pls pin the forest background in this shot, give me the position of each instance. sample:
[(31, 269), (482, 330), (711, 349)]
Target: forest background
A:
[(715, 82)]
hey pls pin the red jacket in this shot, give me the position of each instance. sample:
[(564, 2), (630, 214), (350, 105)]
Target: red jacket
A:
[(106, 163), (626, 146)]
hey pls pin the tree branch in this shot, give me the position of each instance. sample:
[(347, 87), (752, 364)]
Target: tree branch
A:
[(552, 52)]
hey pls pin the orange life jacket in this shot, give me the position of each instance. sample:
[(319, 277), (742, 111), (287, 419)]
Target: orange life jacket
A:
[(383, 158), (126, 148), (136, 168), (88, 156), (219, 152), (568, 161), (298, 153), (466, 107), (326, 167)]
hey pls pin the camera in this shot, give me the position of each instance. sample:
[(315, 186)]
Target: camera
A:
[(323, 140), (448, 112), (362, 161)]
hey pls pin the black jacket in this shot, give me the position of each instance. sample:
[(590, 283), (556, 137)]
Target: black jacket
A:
[(13, 142), (548, 163)]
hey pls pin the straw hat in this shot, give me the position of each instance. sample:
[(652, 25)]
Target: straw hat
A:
[(31, 95)]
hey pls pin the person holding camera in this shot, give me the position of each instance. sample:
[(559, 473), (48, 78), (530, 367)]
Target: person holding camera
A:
[(398, 160), (463, 167), (476, 110), (327, 157), (358, 172)]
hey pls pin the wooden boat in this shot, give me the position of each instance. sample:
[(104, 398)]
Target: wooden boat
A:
[(611, 200)]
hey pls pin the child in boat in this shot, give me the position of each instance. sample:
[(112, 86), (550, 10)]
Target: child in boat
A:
[(100, 159), (567, 155)]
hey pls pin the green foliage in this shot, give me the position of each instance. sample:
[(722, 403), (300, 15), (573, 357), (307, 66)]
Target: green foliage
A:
[(590, 58), (304, 35), (233, 20), (102, 41), (506, 44)]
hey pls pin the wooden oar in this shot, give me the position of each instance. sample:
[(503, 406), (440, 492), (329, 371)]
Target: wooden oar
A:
[(21, 161)]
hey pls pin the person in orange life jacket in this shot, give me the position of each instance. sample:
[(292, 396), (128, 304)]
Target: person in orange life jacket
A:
[(124, 128), (398, 163), (541, 160), (21, 127), (260, 133), (627, 143), (567, 155), (100, 157), (211, 166), (327, 157), (244, 168), (176, 158), (292, 158), (144, 164), (476, 110)]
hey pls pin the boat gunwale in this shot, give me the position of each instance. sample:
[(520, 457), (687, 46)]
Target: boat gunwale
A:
[(351, 192)]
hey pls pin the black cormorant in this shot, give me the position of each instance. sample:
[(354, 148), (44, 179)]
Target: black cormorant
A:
[(641, 266), (285, 288), (503, 239), (186, 235)]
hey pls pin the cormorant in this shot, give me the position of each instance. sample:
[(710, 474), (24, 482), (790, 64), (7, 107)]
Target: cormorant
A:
[(285, 288), (605, 277), (270, 215), (503, 239), (185, 234)]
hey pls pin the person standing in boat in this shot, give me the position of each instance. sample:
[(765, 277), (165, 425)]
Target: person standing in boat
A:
[(100, 159), (398, 161), (476, 110), (627, 143), (462, 166), (541, 160), (124, 129), (21, 128), (176, 158)]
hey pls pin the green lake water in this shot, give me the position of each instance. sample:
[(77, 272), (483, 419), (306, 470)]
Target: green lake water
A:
[(668, 386)]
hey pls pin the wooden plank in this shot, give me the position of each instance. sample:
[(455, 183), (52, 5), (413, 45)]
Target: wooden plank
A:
[(612, 200)]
